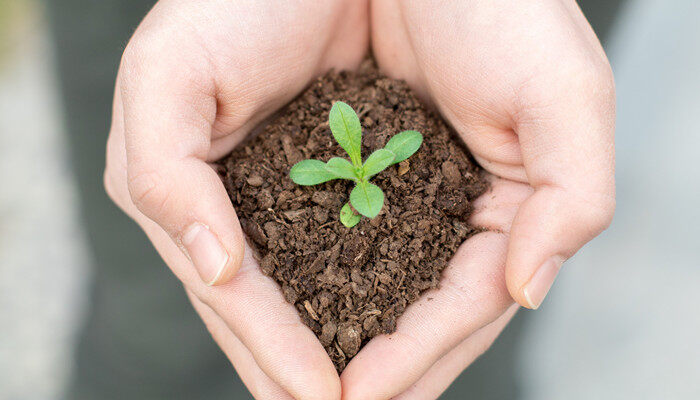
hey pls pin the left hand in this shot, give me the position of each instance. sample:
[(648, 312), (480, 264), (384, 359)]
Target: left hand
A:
[(528, 88), (193, 81)]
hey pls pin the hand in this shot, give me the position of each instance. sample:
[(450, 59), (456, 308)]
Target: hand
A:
[(194, 79), (528, 87)]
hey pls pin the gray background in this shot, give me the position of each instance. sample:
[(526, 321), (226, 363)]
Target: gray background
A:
[(88, 311)]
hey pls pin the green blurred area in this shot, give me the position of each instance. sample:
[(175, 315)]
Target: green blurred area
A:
[(14, 18)]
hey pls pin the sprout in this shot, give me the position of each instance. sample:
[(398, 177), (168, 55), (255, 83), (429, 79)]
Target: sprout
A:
[(365, 198)]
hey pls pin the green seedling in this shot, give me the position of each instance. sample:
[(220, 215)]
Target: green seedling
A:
[(365, 198)]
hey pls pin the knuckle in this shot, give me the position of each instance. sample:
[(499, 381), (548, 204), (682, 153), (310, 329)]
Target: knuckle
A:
[(584, 82), (109, 186), (590, 211), (164, 51), (603, 218), (116, 191), (598, 214), (145, 47), (111, 173), (594, 76), (132, 59), (149, 193)]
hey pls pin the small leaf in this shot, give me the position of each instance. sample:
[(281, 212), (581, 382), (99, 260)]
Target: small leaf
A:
[(377, 161), (367, 199), (347, 131), (310, 172), (342, 168), (348, 216), (404, 144)]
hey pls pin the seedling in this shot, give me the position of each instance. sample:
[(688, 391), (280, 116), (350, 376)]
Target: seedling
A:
[(366, 198)]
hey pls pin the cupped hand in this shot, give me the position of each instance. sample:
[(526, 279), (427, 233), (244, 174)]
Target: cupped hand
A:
[(528, 88), (195, 78)]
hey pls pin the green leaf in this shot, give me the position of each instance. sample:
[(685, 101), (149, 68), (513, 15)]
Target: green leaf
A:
[(348, 216), (342, 168), (367, 199), (347, 131), (377, 161), (404, 144), (310, 172)]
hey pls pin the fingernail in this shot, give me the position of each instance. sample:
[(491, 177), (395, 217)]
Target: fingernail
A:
[(537, 288), (206, 252)]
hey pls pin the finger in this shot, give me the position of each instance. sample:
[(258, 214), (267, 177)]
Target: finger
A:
[(495, 209), (441, 375), (566, 137), (169, 108), (253, 308), (251, 305), (472, 294), (257, 382)]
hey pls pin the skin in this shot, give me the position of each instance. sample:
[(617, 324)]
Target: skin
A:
[(525, 84)]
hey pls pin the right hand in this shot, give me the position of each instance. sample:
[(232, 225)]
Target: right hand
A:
[(193, 81), (527, 86)]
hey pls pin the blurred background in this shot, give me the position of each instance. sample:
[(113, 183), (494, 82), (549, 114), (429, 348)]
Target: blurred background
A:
[(88, 310)]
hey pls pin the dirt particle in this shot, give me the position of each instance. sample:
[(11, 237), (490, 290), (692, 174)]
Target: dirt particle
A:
[(349, 338), (254, 232), (321, 214), (327, 199), (310, 310), (451, 173), (273, 230), (265, 199), (290, 294), (290, 151), (328, 333), (404, 167), (255, 180), (268, 264)]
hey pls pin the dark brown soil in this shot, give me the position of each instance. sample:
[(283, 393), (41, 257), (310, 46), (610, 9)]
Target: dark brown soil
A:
[(350, 285)]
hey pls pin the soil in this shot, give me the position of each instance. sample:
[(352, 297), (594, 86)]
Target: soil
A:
[(351, 284)]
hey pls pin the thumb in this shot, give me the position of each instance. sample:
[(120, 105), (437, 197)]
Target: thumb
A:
[(168, 115), (550, 226), (568, 154)]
